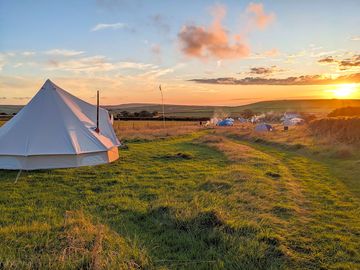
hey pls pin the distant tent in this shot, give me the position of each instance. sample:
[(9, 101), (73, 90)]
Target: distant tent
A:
[(57, 130), (290, 115), (293, 122), (214, 121), (263, 127), (242, 120), (226, 122)]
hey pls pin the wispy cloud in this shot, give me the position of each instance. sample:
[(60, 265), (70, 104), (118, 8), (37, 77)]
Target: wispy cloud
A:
[(135, 65), (28, 53), (21, 98), (355, 38), (85, 64), (113, 26), (266, 54), (300, 80), (63, 52), (97, 63), (153, 74), (2, 61)]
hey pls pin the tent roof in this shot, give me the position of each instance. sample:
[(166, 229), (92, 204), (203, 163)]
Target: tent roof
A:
[(55, 122)]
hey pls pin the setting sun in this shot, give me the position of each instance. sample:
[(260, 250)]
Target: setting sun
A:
[(344, 90)]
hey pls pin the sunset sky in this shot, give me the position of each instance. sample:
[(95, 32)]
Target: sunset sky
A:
[(201, 52)]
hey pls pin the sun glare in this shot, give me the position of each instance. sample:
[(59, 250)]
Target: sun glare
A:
[(344, 90)]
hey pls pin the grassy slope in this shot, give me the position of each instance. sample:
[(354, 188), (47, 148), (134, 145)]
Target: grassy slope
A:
[(312, 106), (225, 203)]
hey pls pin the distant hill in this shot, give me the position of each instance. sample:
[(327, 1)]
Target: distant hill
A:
[(10, 109), (310, 106)]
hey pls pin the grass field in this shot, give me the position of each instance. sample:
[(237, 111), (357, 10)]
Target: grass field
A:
[(190, 198)]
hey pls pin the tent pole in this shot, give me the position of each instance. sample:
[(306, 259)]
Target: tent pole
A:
[(97, 114), (17, 177)]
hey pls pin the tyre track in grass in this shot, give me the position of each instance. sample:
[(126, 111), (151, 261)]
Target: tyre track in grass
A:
[(270, 196), (329, 238)]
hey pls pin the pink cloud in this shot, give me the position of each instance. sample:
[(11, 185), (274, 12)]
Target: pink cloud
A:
[(272, 52), (260, 18), (213, 41)]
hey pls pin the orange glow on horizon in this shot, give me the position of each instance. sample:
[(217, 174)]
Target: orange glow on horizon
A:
[(344, 91)]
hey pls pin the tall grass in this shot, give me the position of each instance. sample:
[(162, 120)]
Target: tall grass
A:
[(342, 129), (148, 130)]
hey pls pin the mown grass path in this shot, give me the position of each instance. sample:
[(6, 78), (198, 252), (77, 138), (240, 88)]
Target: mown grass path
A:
[(199, 201), (327, 235)]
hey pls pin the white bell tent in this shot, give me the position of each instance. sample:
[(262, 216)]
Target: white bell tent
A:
[(57, 130)]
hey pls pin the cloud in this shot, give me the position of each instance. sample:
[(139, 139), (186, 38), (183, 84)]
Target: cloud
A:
[(3, 97), (258, 15), (133, 65), (22, 64), (354, 61), (97, 63), (272, 52), (355, 38), (113, 26), (153, 74), (327, 60), (264, 70), (63, 52), (266, 54), (2, 61), (213, 41), (21, 98), (85, 64), (28, 53), (300, 80), (343, 64)]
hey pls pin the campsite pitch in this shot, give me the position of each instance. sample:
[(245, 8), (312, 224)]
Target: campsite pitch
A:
[(204, 200)]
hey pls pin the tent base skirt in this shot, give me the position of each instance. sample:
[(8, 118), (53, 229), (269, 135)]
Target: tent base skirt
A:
[(38, 162)]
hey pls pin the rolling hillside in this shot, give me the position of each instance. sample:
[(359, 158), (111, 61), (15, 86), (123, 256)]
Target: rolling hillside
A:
[(310, 106)]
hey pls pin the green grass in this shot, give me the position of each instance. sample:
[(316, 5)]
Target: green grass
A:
[(199, 201)]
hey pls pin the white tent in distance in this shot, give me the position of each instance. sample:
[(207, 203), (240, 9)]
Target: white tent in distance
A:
[(57, 130)]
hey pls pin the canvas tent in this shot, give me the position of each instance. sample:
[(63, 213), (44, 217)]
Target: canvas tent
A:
[(263, 127), (293, 121), (57, 130)]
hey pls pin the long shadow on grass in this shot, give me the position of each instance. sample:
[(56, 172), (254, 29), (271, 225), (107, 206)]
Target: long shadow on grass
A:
[(204, 241)]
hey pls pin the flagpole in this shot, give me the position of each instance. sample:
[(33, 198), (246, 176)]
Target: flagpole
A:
[(163, 107)]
